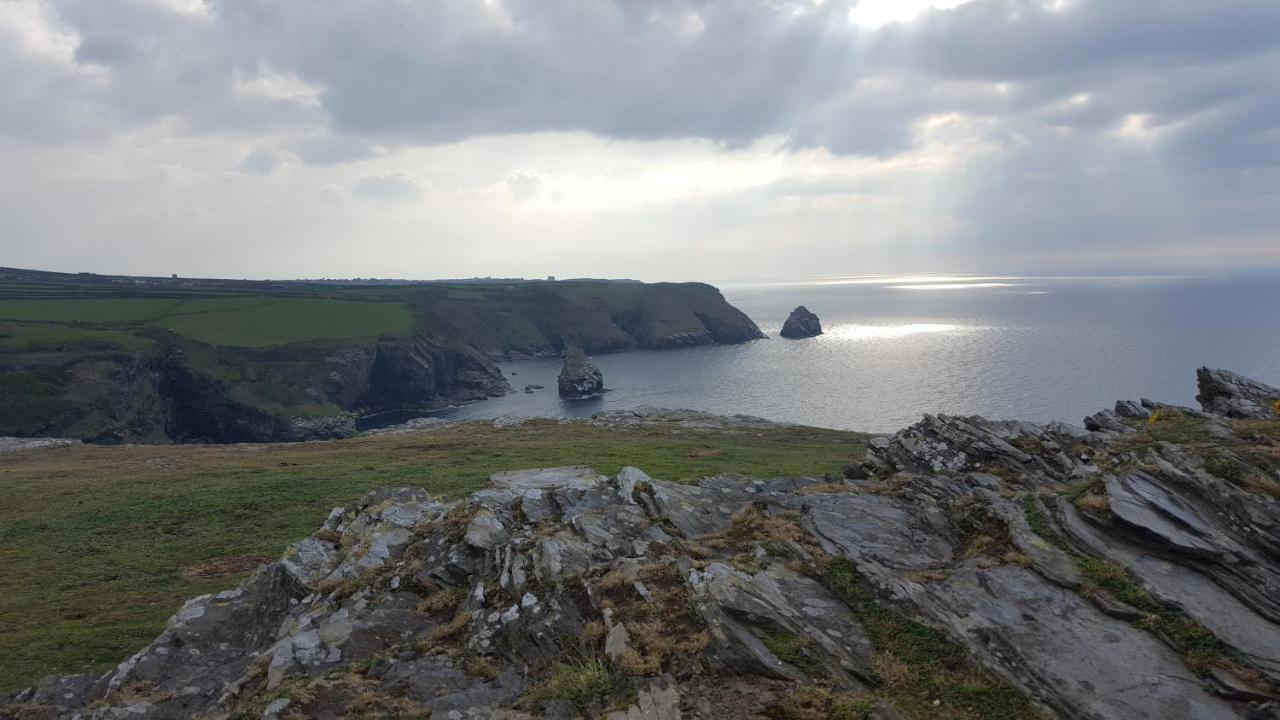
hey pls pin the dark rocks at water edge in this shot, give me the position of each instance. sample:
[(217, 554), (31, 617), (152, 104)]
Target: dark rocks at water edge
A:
[(973, 568), (801, 324), (579, 379), (529, 389), (1226, 393)]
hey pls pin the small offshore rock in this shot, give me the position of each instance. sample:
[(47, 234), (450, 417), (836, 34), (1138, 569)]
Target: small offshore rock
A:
[(580, 379), (801, 324)]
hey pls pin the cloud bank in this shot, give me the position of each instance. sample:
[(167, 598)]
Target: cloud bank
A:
[(504, 136)]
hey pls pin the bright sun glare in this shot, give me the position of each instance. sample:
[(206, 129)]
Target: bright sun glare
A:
[(877, 13)]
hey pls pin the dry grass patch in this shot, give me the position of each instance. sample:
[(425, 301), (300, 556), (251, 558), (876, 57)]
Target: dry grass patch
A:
[(482, 667), (225, 567), (818, 702), (441, 601), (1094, 503)]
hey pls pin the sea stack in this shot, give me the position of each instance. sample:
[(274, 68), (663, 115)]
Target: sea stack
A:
[(801, 324), (579, 377)]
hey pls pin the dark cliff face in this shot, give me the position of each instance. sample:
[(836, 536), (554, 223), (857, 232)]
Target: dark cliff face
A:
[(184, 392), (408, 374)]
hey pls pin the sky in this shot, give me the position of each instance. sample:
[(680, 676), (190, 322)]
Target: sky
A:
[(654, 139)]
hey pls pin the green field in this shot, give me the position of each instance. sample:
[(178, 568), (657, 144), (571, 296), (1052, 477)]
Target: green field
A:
[(106, 310), (236, 321), (101, 544)]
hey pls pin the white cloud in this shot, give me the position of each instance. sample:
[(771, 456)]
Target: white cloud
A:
[(874, 14), (524, 185), (390, 186), (285, 87)]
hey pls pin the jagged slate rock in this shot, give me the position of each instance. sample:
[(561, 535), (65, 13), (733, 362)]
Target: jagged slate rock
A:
[(1066, 652), (628, 480), (486, 531), (855, 471), (1048, 560), (801, 324), (1193, 593), (579, 379), (1131, 410), (658, 699), (209, 642), (944, 443), (274, 708), (310, 560), (792, 604), (579, 477), (886, 530), (1139, 500), (440, 686), (1223, 392), (1108, 421)]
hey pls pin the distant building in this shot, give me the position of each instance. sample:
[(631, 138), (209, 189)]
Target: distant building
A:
[(174, 276), (551, 278)]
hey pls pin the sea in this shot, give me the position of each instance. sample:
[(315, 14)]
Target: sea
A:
[(897, 347)]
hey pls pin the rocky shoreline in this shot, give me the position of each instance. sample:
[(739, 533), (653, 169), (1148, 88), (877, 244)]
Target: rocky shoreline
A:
[(966, 568)]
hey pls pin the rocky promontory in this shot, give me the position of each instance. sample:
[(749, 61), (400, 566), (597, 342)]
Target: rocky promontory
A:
[(579, 378), (1226, 393), (801, 324), (971, 568)]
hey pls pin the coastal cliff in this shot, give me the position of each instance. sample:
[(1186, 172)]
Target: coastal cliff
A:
[(232, 369), (542, 319), (965, 568)]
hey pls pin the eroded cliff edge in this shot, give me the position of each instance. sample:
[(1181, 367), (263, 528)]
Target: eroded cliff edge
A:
[(968, 568)]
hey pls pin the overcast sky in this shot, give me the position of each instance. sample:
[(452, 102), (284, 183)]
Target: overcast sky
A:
[(656, 139)]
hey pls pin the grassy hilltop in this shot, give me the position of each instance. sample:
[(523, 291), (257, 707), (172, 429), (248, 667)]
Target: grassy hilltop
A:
[(102, 544)]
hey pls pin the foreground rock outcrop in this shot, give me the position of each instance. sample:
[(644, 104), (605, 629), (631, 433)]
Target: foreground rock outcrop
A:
[(801, 324), (969, 568), (1226, 393), (579, 379)]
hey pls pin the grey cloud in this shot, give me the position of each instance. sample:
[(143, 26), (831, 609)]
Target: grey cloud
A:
[(103, 50), (395, 73), (262, 161)]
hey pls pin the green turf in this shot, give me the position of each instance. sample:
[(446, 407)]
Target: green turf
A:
[(236, 321), (95, 540), (279, 321), (96, 310)]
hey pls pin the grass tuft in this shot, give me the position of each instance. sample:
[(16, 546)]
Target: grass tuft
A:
[(923, 674), (578, 683)]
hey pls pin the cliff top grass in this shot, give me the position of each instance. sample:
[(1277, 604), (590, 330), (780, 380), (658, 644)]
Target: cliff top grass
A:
[(101, 545), (240, 321)]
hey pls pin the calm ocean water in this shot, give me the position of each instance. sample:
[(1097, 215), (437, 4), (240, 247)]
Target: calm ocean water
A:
[(897, 347)]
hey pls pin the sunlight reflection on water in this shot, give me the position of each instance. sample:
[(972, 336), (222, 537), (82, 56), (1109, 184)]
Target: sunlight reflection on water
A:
[(882, 332), (953, 286)]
